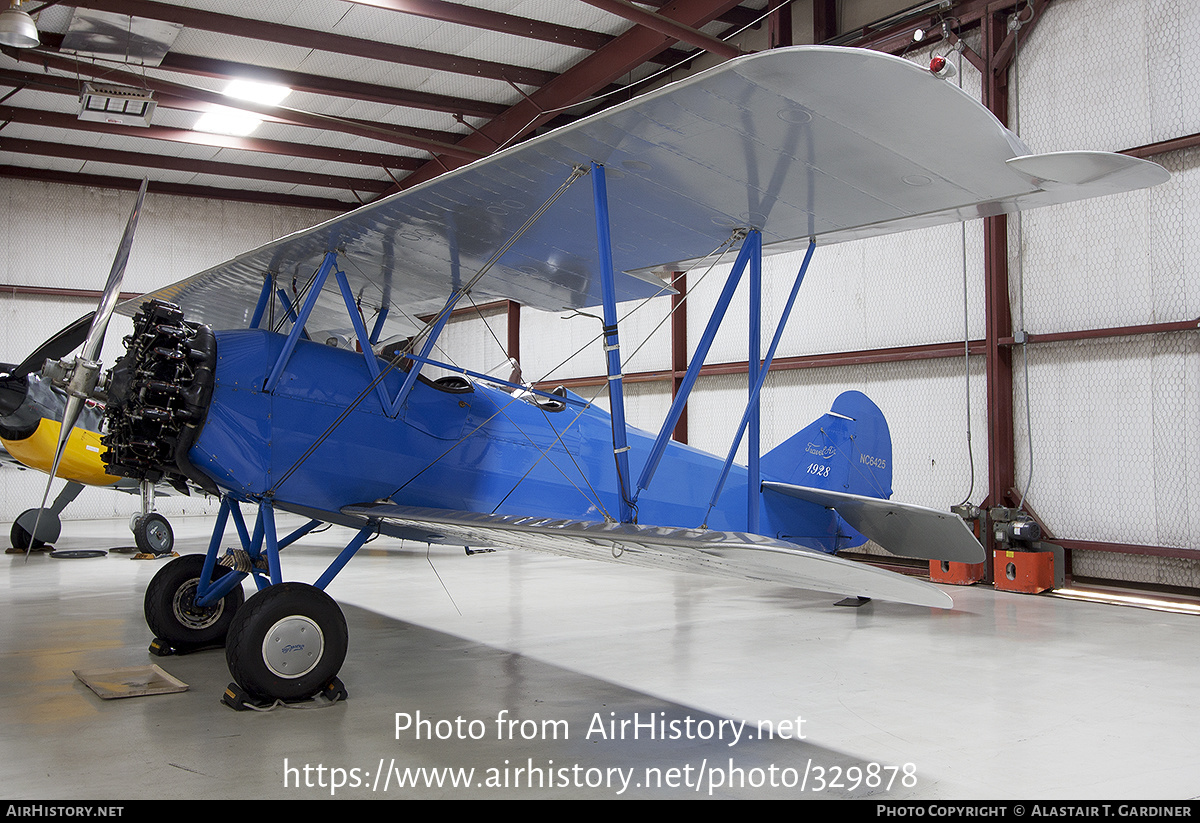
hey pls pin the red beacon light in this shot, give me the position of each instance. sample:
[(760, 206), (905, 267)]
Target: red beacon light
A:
[(941, 67)]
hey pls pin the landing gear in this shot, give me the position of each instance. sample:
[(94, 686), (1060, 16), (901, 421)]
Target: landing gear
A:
[(287, 643), (49, 525), (152, 534), (171, 610), (20, 536)]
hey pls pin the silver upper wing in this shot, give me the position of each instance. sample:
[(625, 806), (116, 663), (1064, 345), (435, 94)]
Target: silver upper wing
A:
[(811, 141)]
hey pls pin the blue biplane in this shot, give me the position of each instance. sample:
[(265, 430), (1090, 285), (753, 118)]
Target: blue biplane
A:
[(783, 150)]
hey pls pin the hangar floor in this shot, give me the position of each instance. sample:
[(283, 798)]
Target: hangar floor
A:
[(1005, 696)]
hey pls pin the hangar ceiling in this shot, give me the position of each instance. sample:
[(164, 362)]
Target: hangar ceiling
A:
[(384, 93)]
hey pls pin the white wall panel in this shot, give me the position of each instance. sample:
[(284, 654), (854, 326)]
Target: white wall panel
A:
[(1116, 438), (924, 402), (61, 236)]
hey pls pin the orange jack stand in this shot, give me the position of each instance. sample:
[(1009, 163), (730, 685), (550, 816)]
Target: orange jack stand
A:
[(956, 574), (1027, 572)]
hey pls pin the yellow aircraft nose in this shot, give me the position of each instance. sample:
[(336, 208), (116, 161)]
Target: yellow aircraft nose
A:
[(81, 459)]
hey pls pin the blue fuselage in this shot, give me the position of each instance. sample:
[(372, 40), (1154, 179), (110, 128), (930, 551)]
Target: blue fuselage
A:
[(480, 450)]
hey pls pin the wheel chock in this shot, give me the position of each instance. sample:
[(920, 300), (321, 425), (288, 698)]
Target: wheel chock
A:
[(161, 648), (334, 690), (238, 699), (153, 556)]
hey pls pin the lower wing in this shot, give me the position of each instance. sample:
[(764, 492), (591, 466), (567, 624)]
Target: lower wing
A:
[(727, 554)]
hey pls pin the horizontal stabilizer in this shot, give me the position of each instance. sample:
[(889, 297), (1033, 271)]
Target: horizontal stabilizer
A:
[(901, 528), (726, 554)]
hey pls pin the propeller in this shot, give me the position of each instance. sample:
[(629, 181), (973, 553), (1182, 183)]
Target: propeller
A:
[(57, 347), (84, 373)]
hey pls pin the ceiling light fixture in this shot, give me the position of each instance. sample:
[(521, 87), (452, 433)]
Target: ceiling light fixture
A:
[(221, 120), (17, 28), (268, 94)]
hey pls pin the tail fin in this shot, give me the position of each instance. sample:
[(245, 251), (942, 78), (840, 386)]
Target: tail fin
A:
[(848, 450)]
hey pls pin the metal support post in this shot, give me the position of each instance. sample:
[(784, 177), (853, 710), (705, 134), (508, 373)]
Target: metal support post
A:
[(761, 378), (754, 348), (439, 323), (344, 556), (360, 331), (612, 344), (693, 372), (263, 298), (293, 337)]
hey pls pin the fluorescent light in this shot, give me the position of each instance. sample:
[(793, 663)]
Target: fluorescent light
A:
[(1140, 601), (228, 121), (267, 94)]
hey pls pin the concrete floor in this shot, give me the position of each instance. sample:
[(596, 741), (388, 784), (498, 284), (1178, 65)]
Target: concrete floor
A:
[(1004, 697)]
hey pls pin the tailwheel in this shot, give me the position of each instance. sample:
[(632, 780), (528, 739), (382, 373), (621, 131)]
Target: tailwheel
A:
[(287, 643), (171, 610), (20, 535), (153, 534)]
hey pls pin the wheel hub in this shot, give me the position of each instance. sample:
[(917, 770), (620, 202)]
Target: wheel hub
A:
[(191, 615), (158, 536), (293, 647)]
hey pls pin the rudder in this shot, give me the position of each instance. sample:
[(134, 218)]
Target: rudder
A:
[(848, 449)]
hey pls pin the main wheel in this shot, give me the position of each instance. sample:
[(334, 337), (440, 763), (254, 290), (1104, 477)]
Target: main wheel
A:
[(287, 643), (171, 610), (153, 534)]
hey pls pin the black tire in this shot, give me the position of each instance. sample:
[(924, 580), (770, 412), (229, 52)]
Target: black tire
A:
[(287, 643), (153, 534), (170, 609), (19, 537)]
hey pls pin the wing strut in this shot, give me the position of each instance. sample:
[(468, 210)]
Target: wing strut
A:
[(612, 344), (751, 413), (751, 247), (314, 291)]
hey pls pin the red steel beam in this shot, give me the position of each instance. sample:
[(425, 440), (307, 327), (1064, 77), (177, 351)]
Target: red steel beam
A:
[(824, 14), (900, 354), (1001, 442), (1115, 331), (1162, 147), (596, 71), (58, 120), (130, 158), (322, 41), (102, 181), (513, 344), (1128, 548), (666, 26), (53, 291), (478, 18), (735, 15), (507, 24), (381, 132), (679, 348), (317, 84)]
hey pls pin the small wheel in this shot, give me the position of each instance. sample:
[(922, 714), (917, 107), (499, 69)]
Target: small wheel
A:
[(171, 610), (19, 535), (287, 643), (20, 538), (153, 534)]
